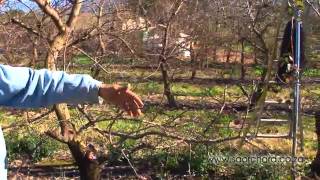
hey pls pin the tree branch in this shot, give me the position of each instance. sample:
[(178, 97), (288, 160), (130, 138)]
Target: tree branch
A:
[(57, 136), (50, 11), (25, 26), (74, 13), (14, 125), (168, 135)]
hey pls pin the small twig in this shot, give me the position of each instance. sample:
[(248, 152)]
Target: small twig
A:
[(153, 72), (244, 92), (93, 59), (220, 112), (132, 51), (254, 88), (134, 170), (109, 128), (14, 125), (26, 27), (170, 135), (314, 8), (92, 121)]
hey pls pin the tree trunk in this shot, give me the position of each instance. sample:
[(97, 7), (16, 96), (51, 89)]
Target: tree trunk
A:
[(243, 71), (90, 169), (166, 85), (228, 56), (163, 61), (255, 59), (315, 165), (55, 47), (193, 61), (214, 56), (102, 46), (270, 54), (206, 56), (203, 57), (34, 54), (61, 110)]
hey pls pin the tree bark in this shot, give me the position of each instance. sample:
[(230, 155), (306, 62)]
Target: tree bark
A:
[(102, 46), (164, 70), (228, 55), (162, 58), (61, 110), (166, 84), (34, 55), (90, 169), (243, 70), (193, 61), (56, 45)]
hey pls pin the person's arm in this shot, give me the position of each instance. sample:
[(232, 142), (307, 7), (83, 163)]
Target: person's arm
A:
[(27, 88)]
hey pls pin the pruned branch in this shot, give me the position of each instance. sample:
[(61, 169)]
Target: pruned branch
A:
[(177, 7), (168, 135), (17, 124), (74, 13), (57, 136), (50, 11), (132, 51), (25, 26), (93, 59), (87, 35)]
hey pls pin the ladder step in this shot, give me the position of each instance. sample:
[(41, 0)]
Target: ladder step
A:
[(274, 120), (279, 103), (272, 135), (271, 102)]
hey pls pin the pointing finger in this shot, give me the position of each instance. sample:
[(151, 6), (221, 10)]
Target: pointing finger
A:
[(137, 100)]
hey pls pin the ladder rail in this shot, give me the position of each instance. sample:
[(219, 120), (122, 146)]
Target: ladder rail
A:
[(261, 120)]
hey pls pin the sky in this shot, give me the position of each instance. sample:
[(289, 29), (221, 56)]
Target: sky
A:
[(23, 5)]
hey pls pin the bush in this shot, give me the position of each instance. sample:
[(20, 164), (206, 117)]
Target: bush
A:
[(312, 73), (258, 70), (34, 146), (202, 163)]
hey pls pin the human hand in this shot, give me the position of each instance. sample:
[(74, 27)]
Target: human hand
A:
[(122, 97)]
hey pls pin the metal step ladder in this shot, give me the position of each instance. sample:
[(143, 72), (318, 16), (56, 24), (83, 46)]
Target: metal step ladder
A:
[(275, 121)]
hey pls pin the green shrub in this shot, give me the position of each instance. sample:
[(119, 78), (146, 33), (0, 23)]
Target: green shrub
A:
[(32, 145), (258, 70), (202, 163), (311, 72), (153, 87), (213, 91), (248, 169), (82, 60)]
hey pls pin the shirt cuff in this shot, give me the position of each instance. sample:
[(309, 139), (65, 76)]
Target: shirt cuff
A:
[(93, 97)]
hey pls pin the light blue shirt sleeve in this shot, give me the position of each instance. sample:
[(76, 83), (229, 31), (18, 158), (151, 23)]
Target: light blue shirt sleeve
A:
[(23, 87)]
